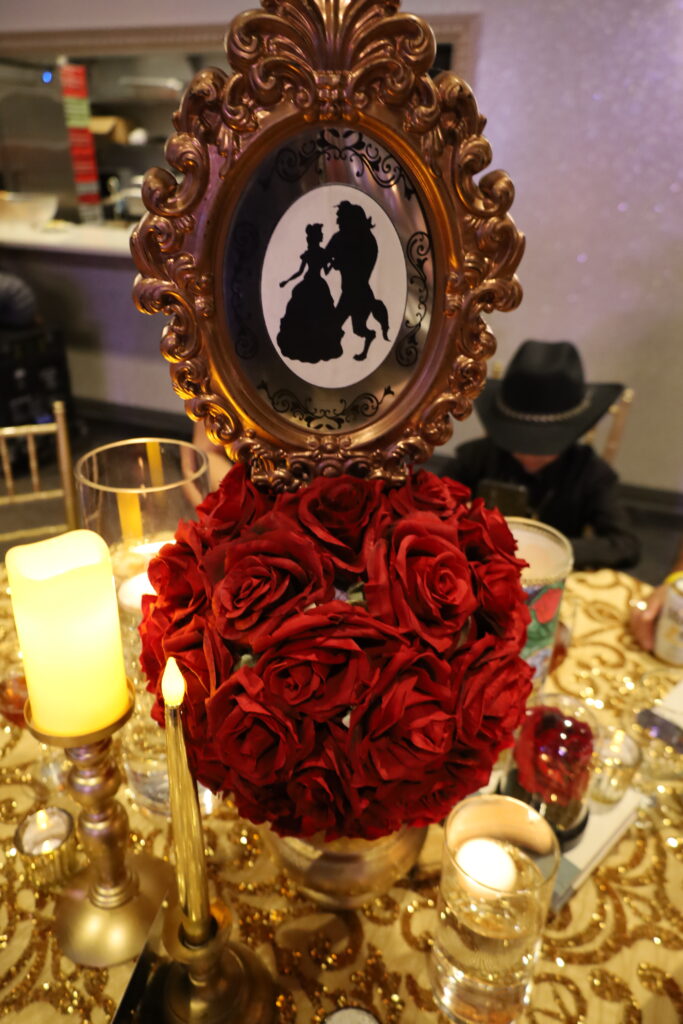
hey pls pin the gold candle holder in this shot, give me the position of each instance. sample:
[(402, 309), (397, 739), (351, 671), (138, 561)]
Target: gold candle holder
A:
[(211, 979), (104, 915)]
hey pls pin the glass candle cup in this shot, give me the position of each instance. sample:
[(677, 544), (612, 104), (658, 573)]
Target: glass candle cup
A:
[(655, 721), (46, 843), (551, 762), (616, 758), (134, 493), (500, 861), (551, 560)]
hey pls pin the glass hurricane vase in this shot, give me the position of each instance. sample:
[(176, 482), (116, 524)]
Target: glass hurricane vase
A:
[(343, 874)]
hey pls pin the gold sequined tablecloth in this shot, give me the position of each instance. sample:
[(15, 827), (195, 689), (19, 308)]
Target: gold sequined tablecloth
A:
[(613, 955)]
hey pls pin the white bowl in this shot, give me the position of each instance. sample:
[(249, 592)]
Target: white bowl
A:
[(32, 208)]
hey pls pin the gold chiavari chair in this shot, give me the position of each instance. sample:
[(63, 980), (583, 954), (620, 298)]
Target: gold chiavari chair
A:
[(16, 496), (611, 426)]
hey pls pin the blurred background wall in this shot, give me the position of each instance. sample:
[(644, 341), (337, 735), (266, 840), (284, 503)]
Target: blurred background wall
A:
[(584, 103)]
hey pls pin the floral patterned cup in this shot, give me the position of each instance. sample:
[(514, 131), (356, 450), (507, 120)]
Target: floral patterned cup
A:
[(550, 559)]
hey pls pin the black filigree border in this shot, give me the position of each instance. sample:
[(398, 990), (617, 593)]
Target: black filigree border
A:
[(363, 406), (347, 145), (418, 251), (245, 241)]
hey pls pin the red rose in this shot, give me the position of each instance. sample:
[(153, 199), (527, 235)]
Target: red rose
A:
[(425, 800), (426, 492), (459, 492), (405, 725), (318, 792), (377, 811), (501, 597), (204, 660), (205, 665), (553, 754), (234, 504), (420, 580), (483, 532), (337, 512), (156, 620), (271, 572), (257, 741), (321, 662), (492, 684), (176, 571)]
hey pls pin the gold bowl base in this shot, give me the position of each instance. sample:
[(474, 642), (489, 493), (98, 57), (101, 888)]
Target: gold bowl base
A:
[(104, 936)]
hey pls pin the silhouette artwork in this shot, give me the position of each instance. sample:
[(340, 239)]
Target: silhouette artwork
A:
[(310, 329), (353, 252)]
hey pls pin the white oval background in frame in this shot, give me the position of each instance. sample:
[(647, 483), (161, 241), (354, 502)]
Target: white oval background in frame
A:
[(388, 282)]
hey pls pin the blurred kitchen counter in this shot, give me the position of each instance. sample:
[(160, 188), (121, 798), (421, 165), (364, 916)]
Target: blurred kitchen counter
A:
[(111, 238), (83, 277)]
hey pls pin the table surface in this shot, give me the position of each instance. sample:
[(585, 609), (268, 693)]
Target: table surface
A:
[(105, 239), (613, 954)]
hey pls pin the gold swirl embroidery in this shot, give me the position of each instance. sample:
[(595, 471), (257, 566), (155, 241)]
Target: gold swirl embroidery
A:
[(614, 990), (661, 984), (600, 955), (558, 999)]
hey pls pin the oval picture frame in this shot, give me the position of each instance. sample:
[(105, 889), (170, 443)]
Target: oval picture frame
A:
[(323, 252)]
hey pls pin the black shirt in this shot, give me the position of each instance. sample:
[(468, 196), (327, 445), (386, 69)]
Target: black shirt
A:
[(577, 494)]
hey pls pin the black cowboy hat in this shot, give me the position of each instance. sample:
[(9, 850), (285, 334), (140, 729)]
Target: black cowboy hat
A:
[(542, 404)]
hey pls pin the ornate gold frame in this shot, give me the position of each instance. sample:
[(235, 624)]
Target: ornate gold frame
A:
[(303, 63)]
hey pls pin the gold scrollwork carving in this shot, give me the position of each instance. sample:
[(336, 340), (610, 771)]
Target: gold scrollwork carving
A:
[(359, 66)]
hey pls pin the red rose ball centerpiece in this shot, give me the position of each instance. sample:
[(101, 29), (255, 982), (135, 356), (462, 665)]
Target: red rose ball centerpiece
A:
[(351, 652)]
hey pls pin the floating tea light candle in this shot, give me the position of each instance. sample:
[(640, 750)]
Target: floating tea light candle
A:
[(488, 867)]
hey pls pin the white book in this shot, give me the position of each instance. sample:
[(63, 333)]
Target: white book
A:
[(606, 825)]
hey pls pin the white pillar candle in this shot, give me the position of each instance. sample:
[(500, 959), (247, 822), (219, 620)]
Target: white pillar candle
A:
[(488, 868), (64, 605)]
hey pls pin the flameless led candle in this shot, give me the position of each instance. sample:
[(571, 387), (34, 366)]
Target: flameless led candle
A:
[(188, 836), (489, 868), (130, 515), (156, 467), (64, 605)]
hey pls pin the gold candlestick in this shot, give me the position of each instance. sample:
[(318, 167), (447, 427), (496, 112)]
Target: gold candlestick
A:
[(193, 892), (211, 980), (104, 915)]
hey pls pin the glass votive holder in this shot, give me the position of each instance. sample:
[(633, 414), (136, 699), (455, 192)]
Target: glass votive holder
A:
[(656, 724), (616, 757), (46, 843), (500, 861), (134, 493), (551, 762)]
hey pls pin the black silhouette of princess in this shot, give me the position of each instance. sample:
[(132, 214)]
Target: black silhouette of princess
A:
[(310, 330), (353, 252)]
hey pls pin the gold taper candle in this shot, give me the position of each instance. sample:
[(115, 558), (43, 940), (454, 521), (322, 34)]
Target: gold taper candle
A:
[(188, 835)]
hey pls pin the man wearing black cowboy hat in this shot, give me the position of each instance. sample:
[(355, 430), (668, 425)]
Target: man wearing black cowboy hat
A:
[(534, 417)]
